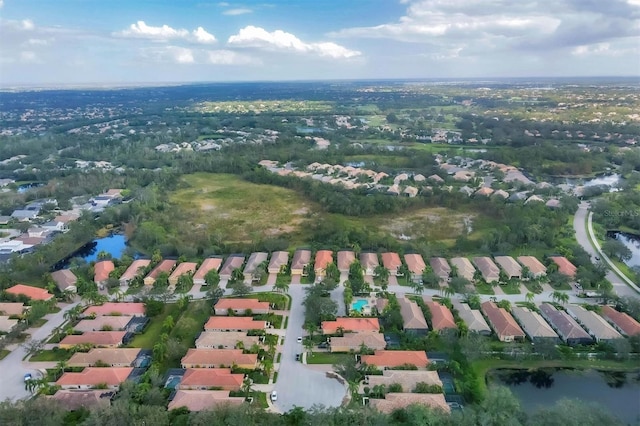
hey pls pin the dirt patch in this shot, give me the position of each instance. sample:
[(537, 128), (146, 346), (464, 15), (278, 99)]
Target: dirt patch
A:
[(301, 211)]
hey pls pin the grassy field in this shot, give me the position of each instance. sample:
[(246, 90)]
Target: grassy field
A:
[(325, 358), (4, 353), (239, 211)]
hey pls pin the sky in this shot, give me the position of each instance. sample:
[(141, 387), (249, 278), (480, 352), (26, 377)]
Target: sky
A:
[(154, 41)]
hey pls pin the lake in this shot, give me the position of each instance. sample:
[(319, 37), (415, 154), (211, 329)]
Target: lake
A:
[(611, 180), (115, 245), (632, 242), (618, 392)]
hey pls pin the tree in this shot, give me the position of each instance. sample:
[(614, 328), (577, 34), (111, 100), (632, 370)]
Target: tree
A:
[(417, 287), (473, 300), (382, 276), (529, 297), (237, 276), (32, 346), (614, 248), (214, 294), (281, 286), (168, 324), (247, 387), (332, 273), (239, 288), (459, 284), (504, 304), (348, 297), (184, 284), (430, 280), (212, 278), (560, 297)]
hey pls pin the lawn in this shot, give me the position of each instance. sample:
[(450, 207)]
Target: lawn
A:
[(153, 331), (533, 286), (4, 353), (484, 288), (38, 323), (235, 210), (511, 288), (54, 354), (326, 358)]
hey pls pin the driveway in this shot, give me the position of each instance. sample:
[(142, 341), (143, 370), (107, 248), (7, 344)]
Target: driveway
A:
[(13, 368), (271, 279), (580, 221), (299, 385), (295, 279)]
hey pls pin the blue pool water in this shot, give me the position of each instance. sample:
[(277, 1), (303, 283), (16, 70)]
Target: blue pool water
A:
[(359, 304)]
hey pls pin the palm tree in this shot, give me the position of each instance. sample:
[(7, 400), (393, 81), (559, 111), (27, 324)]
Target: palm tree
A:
[(168, 323), (237, 275), (529, 297), (562, 297), (119, 295), (282, 286), (417, 286), (448, 291), (382, 274), (61, 367), (354, 387), (556, 296), (267, 366), (247, 387)]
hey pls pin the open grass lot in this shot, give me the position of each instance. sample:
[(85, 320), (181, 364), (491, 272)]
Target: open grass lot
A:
[(54, 354), (326, 358), (238, 211), (152, 332), (4, 353)]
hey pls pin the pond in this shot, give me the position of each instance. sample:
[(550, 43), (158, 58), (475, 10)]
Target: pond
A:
[(619, 392), (632, 242), (610, 180)]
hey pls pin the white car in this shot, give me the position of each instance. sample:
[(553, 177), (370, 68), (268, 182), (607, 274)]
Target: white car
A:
[(274, 396), (299, 339)]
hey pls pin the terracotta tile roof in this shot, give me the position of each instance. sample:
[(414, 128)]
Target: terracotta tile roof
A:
[(34, 293), (394, 401), (181, 269), (622, 321), (227, 339), (64, 279), (441, 316), (440, 267), (279, 259), (369, 261), (408, 379), (121, 308), (75, 399), (218, 357), (301, 258), (384, 358), (101, 322), (234, 323), (356, 340), (465, 267), (564, 266), (199, 400), (111, 356), (345, 259), (509, 265), (323, 258), (11, 308), (381, 304), (164, 266), (211, 377), (136, 268), (391, 261), (97, 338), (351, 324), (233, 262), (489, 270), (241, 304), (415, 263), (502, 321), (102, 270), (412, 316), (207, 265), (535, 266), (92, 376)]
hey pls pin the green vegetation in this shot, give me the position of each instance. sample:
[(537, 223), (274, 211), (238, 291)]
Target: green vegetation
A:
[(54, 354), (4, 353), (152, 332), (326, 358)]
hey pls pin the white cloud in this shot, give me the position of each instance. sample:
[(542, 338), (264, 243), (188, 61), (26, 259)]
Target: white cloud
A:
[(166, 33), (257, 37), (1, 3), (28, 56), (229, 57), (27, 24), (181, 55), (238, 11)]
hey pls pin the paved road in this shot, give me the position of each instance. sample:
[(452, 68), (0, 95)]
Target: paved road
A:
[(13, 369), (298, 384), (579, 225)]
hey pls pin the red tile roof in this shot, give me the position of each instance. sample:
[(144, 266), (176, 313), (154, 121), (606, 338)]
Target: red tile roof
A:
[(102, 270), (207, 265), (34, 293), (351, 324), (97, 338), (502, 322), (199, 400), (441, 316), (391, 261), (241, 304), (396, 358), (415, 263), (164, 266), (211, 377), (323, 258), (93, 376), (564, 266), (234, 323), (622, 321), (345, 259), (122, 308), (135, 269), (218, 357)]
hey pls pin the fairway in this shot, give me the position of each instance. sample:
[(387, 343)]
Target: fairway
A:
[(237, 210)]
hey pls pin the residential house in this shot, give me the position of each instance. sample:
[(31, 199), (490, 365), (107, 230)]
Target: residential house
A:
[(323, 259), (436, 179), (209, 264), (502, 323), (33, 293), (489, 270), (440, 267), (369, 262), (624, 323), (408, 379), (381, 304), (232, 263), (208, 378), (413, 320), (102, 339), (509, 266), (117, 308), (219, 358), (441, 316), (397, 401), (594, 324), (301, 259), (201, 400), (241, 306), (183, 268), (102, 269), (384, 359), (164, 266), (536, 268), (534, 325), (225, 340), (564, 266), (500, 193), (136, 268), (253, 264), (356, 325), (278, 262), (566, 327), (65, 280), (78, 399), (473, 319), (392, 262), (354, 342), (103, 323), (234, 324), (91, 377), (107, 357), (7, 324), (410, 191), (24, 215), (416, 266), (12, 309), (463, 267), (345, 259)]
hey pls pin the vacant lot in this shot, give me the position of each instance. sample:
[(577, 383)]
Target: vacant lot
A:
[(239, 211)]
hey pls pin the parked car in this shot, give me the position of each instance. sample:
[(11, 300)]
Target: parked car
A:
[(297, 357), (28, 377), (323, 345), (299, 339), (274, 396)]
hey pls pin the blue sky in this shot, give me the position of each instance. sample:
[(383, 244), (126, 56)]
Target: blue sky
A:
[(137, 41)]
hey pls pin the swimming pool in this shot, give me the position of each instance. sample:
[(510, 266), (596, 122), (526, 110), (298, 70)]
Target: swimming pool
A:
[(359, 304)]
